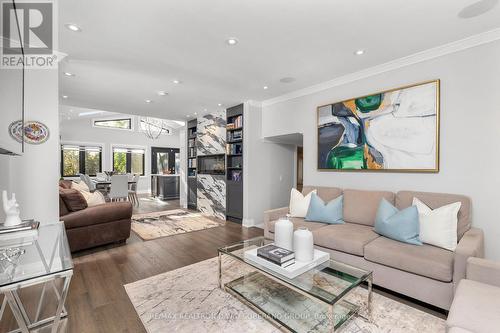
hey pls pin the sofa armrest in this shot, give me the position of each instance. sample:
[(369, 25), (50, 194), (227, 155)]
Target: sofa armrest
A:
[(108, 212), (471, 245), (484, 271), (272, 215)]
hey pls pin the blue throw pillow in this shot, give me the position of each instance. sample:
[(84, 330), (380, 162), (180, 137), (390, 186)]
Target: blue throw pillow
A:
[(400, 225), (330, 213)]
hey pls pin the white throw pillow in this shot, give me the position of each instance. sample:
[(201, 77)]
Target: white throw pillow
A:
[(80, 186), (299, 204), (438, 226), (93, 199)]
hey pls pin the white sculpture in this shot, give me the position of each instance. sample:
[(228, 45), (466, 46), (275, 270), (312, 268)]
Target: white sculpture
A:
[(11, 209)]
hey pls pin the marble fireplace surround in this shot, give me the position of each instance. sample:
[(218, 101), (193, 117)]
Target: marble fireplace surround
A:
[(189, 300), (211, 140)]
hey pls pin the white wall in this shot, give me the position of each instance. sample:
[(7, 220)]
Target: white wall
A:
[(268, 169), (34, 175), (80, 130), (470, 132)]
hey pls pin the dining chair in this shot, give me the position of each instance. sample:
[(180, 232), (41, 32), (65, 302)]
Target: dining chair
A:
[(119, 188), (132, 192), (90, 184)]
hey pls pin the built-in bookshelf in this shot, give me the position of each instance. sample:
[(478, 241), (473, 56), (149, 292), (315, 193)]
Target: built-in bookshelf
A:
[(234, 163), (192, 163)]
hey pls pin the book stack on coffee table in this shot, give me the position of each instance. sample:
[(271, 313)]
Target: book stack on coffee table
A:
[(277, 255)]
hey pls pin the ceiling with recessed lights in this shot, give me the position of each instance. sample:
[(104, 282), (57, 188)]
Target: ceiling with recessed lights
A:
[(207, 55)]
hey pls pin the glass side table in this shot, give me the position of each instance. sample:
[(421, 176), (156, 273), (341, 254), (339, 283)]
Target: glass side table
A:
[(35, 257)]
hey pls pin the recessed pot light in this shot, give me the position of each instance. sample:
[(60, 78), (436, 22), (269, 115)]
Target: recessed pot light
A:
[(265, 87), (64, 96), (359, 52), (477, 8), (220, 104), (176, 81), (231, 41), (162, 93), (69, 74), (196, 113), (148, 101), (73, 27)]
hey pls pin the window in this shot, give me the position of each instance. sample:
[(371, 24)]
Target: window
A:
[(80, 159), (128, 160), (125, 123)]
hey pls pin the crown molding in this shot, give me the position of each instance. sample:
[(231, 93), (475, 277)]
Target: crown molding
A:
[(436, 52)]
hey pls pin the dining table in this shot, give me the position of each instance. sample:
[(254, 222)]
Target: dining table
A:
[(104, 185)]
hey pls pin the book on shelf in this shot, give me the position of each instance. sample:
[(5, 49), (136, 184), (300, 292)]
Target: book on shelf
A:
[(25, 225), (192, 163), (275, 254), (234, 136), (236, 122), (234, 149)]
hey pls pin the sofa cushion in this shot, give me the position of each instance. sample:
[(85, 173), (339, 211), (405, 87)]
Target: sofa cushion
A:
[(65, 183), (325, 193), (297, 223), (401, 225), (109, 212), (361, 206), (329, 212), (476, 307), (435, 200), (349, 237), (73, 199), (426, 260), (63, 210), (299, 203)]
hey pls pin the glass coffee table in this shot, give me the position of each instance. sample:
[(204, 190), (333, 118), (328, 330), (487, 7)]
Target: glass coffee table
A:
[(319, 300)]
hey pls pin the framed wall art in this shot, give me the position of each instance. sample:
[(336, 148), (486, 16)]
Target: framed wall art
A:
[(396, 130)]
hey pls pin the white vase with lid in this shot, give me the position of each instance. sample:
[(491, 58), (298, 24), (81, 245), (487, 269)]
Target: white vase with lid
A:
[(303, 245), (283, 233)]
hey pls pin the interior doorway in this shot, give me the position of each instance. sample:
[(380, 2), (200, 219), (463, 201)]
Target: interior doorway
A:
[(300, 168), (165, 160)]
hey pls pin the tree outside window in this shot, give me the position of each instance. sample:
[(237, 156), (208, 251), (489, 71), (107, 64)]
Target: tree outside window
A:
[(127, 160), (77, 160)]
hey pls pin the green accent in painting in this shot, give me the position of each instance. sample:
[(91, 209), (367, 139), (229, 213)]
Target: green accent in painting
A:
[(368, 103), (344, 157)]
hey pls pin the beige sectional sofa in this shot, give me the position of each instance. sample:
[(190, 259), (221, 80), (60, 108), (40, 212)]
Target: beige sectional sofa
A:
[(426, 272)]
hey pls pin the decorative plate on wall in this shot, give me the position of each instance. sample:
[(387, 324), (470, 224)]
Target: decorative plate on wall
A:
[(35, 132)]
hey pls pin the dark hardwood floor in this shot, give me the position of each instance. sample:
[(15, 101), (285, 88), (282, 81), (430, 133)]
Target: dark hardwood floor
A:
[(97, 301)]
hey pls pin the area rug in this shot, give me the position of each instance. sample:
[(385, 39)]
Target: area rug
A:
[(172, 222), (189, 300)]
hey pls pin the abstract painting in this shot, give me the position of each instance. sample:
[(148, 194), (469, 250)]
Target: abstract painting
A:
[(395, 130)]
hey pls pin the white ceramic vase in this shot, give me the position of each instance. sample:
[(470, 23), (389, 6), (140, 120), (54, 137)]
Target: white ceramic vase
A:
[(303, 245), (283, 234)]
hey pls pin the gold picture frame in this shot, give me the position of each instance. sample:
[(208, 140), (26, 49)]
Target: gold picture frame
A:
[(343, 128)]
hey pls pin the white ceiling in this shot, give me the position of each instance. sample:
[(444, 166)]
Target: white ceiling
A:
[(128, 50)]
